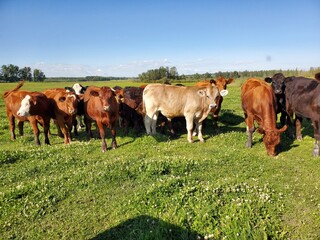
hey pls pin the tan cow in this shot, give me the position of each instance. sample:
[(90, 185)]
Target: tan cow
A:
[(221, 83), (65, 109), (194, 103)]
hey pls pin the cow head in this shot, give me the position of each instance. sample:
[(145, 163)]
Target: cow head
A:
[(68, 102), (26, 103), (271, 139), (222, 83), (277, 83), (106, 96), (211, 95)]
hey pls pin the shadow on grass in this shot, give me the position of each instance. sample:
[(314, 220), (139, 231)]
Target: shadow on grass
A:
[(146, 227)]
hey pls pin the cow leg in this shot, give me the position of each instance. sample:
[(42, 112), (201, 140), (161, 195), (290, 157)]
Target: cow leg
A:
[(298, 121), (75, 124), (169, 124), (290, 121), (80, 123), (199, 127), (315, 151), (113, 134), (34, 125), (46, 128), (60, 133), (189, 122), (20, 126), (154, 123), (12, 126), (69, 131), (147, 124), (283, 118), (250, 129), (88, 124), (102, 135), (61, 125)]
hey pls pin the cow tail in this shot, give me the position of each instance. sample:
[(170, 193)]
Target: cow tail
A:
[(6, 93)]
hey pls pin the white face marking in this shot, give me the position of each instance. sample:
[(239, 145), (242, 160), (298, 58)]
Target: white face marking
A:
[(77, 88), (25, 107)]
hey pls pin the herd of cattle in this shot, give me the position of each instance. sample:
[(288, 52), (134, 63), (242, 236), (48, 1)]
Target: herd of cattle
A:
[(153, 103)]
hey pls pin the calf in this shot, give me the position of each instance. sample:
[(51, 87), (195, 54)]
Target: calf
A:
[(131, 108), (100, 105), (303, 99), (34, 107), (278, 87), (259, 104), (65, 109), (221, 83), (194, 103)]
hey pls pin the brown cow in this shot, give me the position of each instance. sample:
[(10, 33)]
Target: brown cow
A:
[(194, 103), (259, 104), (34, 107), (65, 109), (101, 106), (221, 83)]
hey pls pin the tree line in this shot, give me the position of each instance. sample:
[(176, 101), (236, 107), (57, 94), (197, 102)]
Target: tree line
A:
[(12, 73), (166, 74)]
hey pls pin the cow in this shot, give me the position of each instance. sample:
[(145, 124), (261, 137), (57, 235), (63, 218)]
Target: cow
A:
[(259, 104), (303, 99), (34, 107), (65, 109), (221, 83), (131, 108), (192, 102), (101, 106), (278, 87), (79, 90)]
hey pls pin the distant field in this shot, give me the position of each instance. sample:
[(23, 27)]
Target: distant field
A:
[(157, 187)]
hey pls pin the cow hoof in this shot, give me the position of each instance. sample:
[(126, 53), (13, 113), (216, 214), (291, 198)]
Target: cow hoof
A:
[(299, 138), (315, 152)]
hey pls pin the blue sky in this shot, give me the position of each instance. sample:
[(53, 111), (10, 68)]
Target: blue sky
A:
[(127, 37)]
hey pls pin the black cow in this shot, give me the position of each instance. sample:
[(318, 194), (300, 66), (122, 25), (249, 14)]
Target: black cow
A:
[(303, 99), (278, 86), (131, 108)]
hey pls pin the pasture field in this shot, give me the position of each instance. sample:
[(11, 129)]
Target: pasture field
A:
[(158, 187)]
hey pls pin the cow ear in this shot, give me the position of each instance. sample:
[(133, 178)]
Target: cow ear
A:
[(62, 99), (202, 93), (268, 80), (230, 80), (94, 93), (224, 92), (283, 129), (261, 131)]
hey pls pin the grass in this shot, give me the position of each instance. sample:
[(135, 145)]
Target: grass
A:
[(157, 187)]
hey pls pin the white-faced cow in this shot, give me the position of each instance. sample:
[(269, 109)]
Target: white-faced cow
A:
[(65, 109), (34, 107), (194, 103)]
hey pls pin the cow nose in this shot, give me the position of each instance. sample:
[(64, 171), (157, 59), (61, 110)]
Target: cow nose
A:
[(212, 105), (71, 111), (106, 108)]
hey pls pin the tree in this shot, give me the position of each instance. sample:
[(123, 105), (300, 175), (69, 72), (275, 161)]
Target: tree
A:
[(38, 75), (25, 74), (10, 73)]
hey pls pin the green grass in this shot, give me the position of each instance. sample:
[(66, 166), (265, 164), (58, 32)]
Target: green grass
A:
[(156, 187)]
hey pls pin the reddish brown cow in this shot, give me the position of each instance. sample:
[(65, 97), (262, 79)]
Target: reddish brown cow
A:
[(65, 109), (34, 107), (259, 104), (221, 83), (101, 106)]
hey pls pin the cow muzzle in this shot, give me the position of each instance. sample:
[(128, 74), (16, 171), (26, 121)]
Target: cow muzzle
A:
[(106, 108), (212, 105)]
